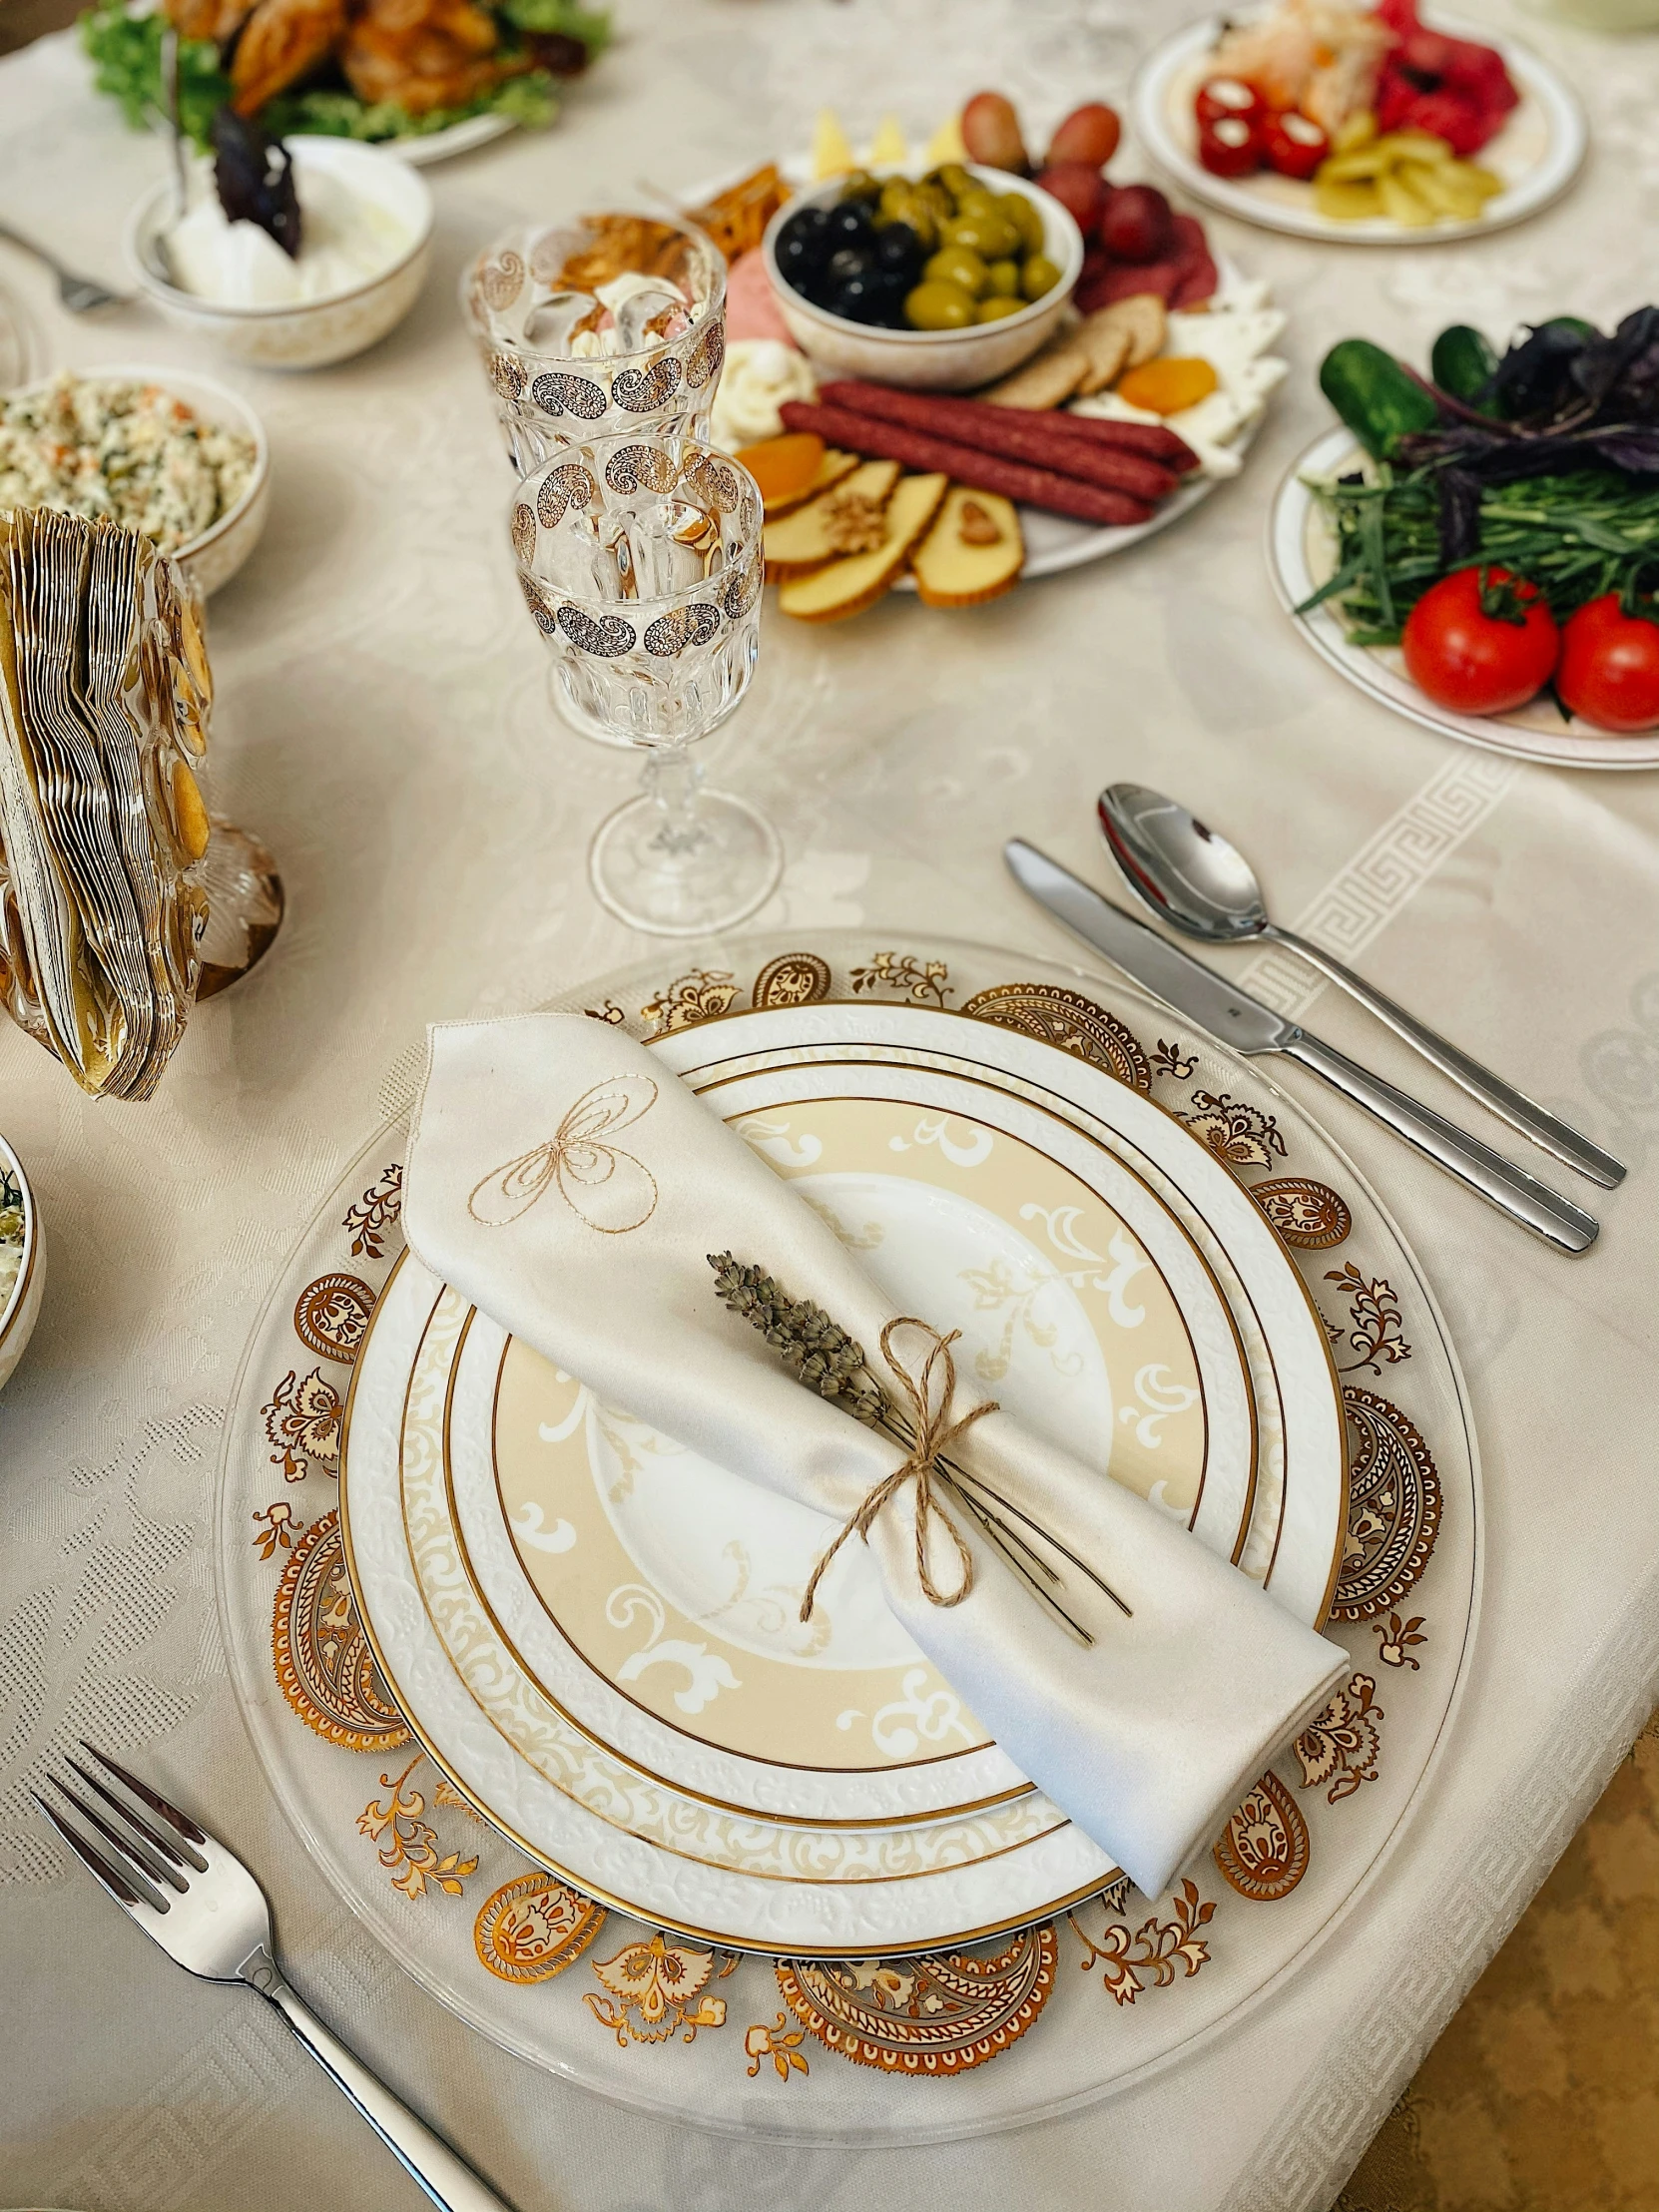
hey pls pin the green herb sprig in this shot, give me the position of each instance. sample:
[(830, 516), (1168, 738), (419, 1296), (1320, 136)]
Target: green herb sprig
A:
[(1575, 536)]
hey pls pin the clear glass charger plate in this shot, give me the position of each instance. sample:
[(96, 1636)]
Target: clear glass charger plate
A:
[(1301, 555), (1537, 154), (1015, 2030)]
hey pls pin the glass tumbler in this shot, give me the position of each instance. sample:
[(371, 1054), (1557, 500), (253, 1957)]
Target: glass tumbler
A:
[(640, 560), (603, 323)]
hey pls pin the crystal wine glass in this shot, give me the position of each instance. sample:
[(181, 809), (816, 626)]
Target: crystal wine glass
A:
[(595, 326), (640, 560)]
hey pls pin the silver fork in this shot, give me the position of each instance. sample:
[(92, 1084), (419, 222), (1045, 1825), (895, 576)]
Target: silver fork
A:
[(79, 295), (201, 1904)]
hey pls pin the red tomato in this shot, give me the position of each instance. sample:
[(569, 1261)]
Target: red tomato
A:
[(1481, 641), (1293, 145), (1609, 672), (1223, 96), (1230, 147)]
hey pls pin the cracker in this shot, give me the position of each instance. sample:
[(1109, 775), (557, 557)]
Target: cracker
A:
[(1047, 379), (1142, 315), (1108, 346)]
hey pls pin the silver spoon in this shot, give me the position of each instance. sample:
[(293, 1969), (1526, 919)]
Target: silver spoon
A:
[(1206, 887), (79, 295)]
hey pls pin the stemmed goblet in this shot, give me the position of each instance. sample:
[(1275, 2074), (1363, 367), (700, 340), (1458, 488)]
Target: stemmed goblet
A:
[(640, 560)]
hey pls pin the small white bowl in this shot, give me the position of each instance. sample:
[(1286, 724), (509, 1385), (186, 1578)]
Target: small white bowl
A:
[(19, 1307), (930, 360), (314, 332), (213, 557)]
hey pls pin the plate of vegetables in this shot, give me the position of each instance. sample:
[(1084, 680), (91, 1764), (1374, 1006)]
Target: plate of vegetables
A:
[(1360, 122), (1477, 547), (431, 76)]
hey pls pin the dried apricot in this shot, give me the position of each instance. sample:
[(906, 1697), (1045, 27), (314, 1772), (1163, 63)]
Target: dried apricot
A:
[(1165, 388), (784, 465)]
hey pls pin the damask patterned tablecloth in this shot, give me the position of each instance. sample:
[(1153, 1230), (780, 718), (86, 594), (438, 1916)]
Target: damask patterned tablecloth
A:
[(384, 725)]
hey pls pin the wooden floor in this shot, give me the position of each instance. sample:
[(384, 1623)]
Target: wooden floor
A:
[(1544, 2093)]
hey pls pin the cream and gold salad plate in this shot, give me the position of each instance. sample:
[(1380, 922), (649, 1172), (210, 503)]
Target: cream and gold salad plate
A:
[(628, 1691)]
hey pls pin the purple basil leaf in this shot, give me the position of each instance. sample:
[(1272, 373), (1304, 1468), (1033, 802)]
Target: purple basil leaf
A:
[(253, 175)]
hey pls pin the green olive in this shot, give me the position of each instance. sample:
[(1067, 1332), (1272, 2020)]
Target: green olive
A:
[(953, 176), (1038, 276), (1022, 213), (895, 193), (954, 264), (938, 199), (995, 307), (977, 200), (860, 185), (992, 237), (1003, 276), (937, 305)]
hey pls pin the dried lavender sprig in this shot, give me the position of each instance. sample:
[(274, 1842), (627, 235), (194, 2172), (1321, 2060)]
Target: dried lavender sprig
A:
[(822, 1354)]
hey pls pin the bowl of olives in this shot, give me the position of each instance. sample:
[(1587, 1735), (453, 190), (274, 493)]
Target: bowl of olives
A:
[(940, 282)]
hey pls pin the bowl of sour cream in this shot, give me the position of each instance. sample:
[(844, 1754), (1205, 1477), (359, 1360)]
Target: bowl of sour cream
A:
[(367, 239)]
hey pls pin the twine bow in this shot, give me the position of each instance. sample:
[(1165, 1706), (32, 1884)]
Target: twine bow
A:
[(934, 1432)]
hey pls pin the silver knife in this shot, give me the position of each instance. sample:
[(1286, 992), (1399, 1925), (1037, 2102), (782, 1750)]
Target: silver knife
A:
[(1248, 1027)]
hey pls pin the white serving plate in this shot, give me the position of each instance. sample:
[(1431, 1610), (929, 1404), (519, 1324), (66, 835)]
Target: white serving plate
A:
[(1053, 543), (1538, 152), (1301, 558), (1003, 1852)]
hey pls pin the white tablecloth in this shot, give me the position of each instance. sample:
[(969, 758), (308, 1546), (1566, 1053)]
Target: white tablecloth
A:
[(384, 725)]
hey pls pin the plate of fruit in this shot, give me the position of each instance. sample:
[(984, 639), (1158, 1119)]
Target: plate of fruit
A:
[(1476, 545), (1359, 122), (951, 367)]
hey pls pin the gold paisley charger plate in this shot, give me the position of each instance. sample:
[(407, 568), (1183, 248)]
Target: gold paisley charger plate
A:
[(1008, 2030)]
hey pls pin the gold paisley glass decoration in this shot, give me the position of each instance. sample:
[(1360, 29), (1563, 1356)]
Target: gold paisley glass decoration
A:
[(924, 2017), (596, 324), (1265, 1848), (639, 558)]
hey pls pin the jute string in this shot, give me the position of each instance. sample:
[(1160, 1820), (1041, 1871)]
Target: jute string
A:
[(935, 1430)]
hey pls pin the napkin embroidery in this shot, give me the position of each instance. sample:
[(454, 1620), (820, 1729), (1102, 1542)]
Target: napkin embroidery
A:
[(602, 1184)]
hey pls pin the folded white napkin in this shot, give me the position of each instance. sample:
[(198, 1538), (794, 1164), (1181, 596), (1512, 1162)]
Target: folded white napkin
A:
[(572, 1189)]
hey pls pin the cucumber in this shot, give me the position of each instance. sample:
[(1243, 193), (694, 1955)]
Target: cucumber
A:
[(1373, 396), (1462, 363)]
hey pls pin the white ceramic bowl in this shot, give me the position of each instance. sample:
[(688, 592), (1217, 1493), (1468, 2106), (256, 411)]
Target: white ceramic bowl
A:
[(19, 1307), (316, 331), (213, 557), (930, 360)]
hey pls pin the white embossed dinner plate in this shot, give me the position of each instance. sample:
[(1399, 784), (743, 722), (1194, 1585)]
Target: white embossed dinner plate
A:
[(1301, 555), (1538, 152), (1184, 1433), (596, 1819), (1314, 1494), (654, 1599)]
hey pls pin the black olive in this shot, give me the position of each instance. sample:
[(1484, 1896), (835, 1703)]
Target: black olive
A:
[(861, 299), (847, 262), (803, 244), (849, 225), (897, 248)]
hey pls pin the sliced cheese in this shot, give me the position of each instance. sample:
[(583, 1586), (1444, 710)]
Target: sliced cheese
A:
[(974, 552), (803, 541), (848, 585)]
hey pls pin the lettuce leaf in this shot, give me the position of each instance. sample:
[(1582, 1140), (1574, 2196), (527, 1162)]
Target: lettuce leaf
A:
[(126, 53)]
